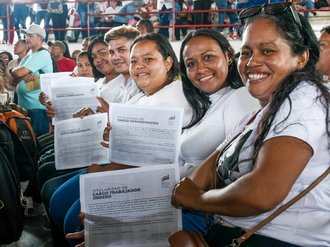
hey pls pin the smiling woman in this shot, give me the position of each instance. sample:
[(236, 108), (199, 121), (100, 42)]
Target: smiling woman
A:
[(155, 72), (277, 153), (214, 89), (149, 68)]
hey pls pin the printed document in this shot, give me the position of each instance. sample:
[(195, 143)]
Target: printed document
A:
[(144, 135), (61, 78), (130, 207), (69, 99), (77, 142)]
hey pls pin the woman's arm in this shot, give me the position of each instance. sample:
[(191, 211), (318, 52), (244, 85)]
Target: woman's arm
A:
[(280, 162), (204, 175)]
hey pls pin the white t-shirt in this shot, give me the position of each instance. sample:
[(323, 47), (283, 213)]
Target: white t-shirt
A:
[(227, 108), (116, 91), (170, 95), (168, 4), (110, 10), (307, 222)]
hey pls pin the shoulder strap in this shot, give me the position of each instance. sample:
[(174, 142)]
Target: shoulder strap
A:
[(238, 241), (55, 68)]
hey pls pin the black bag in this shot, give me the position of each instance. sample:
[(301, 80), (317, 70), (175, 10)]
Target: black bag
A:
[(24, 142), (12, 202)]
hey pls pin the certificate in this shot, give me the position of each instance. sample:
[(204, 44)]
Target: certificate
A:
[(130, 207), (144, 135), (47, 81), (69, 99), (77, 142)]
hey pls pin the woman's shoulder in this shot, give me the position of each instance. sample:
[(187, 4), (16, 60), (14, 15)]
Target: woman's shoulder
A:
[(304, 94), (236, 97), (174, 88)]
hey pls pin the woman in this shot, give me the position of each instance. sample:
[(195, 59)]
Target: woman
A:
[(155, 71), (283, 150), (210, 52), (84, 67), (6, 57), (214, 89), (105, 76)]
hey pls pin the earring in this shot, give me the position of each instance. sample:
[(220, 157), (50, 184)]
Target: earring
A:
[(229, 61)]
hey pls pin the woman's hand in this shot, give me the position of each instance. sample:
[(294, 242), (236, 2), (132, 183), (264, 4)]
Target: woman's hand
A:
[(186, 195), (86, 111), (50, 109), (43, 98), (78, 235), (83, 112), (106, 137), (104, 106)]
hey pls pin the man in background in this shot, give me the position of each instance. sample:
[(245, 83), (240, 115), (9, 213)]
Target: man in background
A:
[(27, 78), (64, 64)]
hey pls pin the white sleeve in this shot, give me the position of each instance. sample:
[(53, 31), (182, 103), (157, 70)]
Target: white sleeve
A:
[(304, 118), (239, 104)]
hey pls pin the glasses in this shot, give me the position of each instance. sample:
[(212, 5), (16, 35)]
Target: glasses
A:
[(270, 9)]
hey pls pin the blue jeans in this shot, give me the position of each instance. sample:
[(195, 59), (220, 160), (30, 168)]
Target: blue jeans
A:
[(233, 18), (63, 199), (308, 4), (195, 221), (59, 21), (39, 121), (21, 12), (82, 12), (164, 20), (43, 15), (4, 13), (221, 236)]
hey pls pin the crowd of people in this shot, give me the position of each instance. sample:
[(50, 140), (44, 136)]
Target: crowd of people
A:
[(256, 124), (95, 17)]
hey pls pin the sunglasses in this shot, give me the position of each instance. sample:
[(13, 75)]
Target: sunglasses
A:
[(271, 9)]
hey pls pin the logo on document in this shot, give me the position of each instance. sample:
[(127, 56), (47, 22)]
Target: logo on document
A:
[(165, 181), (99, 124), (171, 120)]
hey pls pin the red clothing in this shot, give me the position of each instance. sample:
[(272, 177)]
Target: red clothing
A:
[(65, 65)]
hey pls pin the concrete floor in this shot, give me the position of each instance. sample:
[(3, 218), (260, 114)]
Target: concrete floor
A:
[(35, 234)]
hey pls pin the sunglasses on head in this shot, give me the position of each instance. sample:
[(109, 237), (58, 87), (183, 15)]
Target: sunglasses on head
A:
[(270, 9)]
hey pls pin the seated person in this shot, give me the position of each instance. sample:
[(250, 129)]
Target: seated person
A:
[(280, 151)]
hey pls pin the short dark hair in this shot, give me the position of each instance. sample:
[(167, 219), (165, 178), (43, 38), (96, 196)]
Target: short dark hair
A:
[(199, 100), (82, 54), (147, 24), (165, 48), (125, 31)]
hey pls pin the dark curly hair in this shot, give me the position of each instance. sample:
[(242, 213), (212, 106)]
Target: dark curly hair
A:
[(299, 40), (199, 100)]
